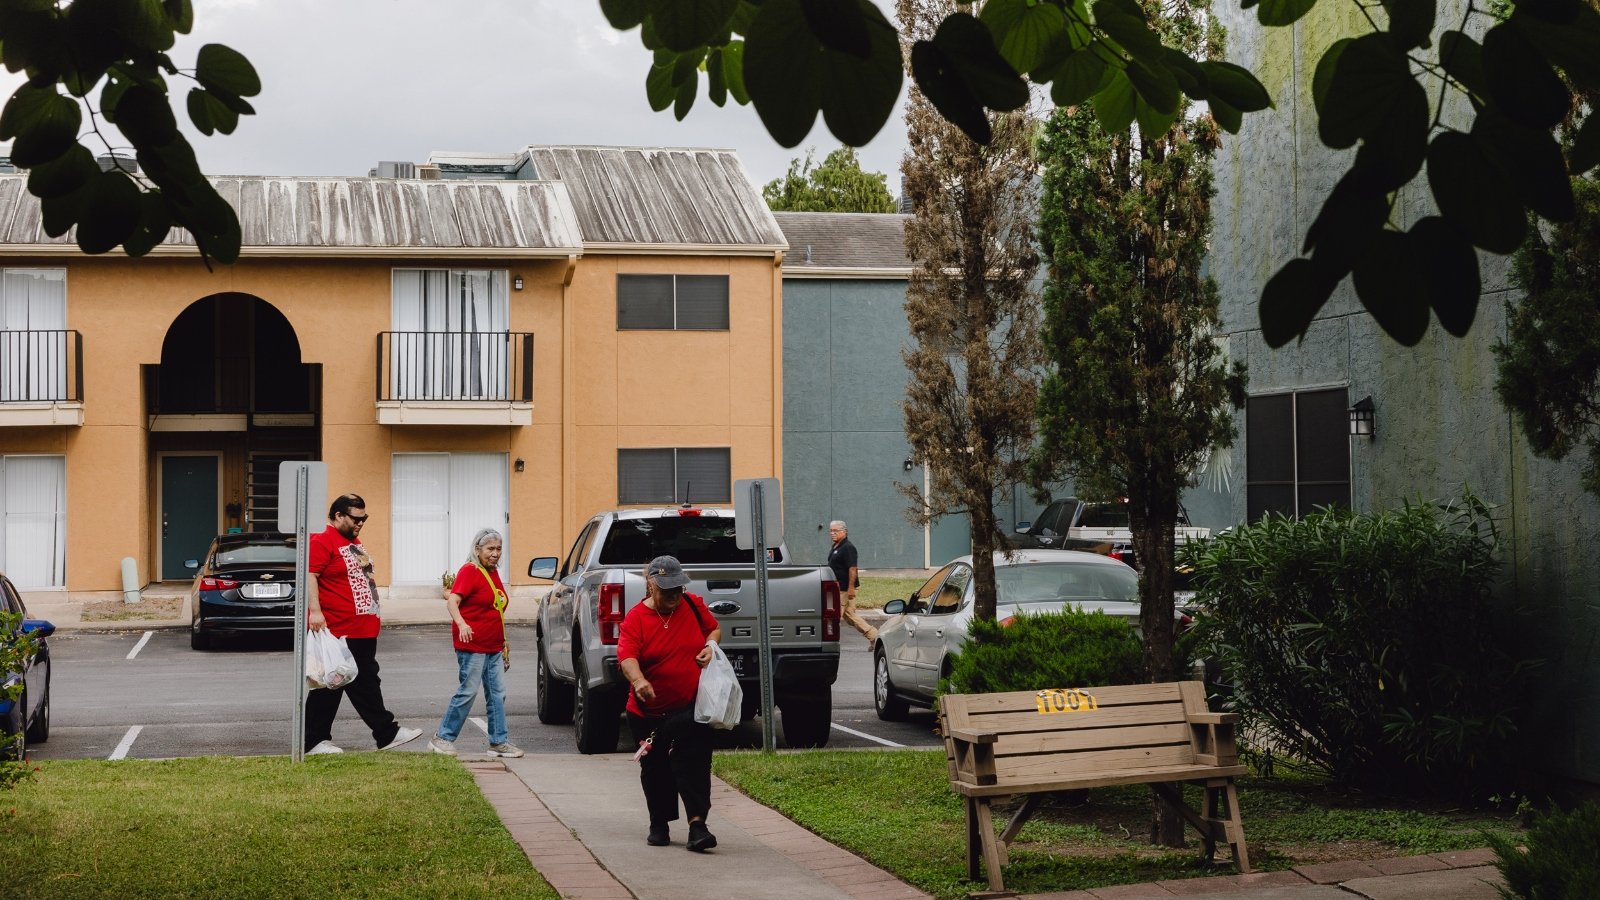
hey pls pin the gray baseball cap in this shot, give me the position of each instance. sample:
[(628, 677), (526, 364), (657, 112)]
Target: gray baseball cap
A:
[(667, 572)]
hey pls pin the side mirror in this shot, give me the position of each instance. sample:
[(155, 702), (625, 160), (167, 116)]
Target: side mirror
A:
[(191, 564), (543, 567), (894, 607), (1022, 527), (38, 627)]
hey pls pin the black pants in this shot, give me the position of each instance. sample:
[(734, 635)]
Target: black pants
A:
[(678, 765), (366, 695)]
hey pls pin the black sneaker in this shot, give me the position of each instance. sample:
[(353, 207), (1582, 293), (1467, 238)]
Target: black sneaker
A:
[(700, 839), (658, 836)]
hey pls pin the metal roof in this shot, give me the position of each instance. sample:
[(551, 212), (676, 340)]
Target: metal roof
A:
[(642, 198), (352, 217), (843, 245)]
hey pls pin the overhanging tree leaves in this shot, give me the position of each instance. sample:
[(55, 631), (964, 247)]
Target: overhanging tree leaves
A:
[(1487, 162), (974, 357), (837, 185), (69, 50)]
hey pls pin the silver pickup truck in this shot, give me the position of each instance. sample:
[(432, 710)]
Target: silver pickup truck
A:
[(601, 578)]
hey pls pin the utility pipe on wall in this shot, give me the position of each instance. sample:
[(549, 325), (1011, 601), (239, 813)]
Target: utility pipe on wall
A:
[(130, 580)]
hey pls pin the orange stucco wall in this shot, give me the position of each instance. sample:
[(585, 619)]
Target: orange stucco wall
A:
[(595, 390)]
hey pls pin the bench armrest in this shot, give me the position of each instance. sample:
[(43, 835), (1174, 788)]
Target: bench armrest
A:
[(974, 737), (1213, 718)]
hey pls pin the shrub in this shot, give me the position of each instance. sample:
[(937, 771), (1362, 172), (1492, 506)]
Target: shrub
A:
[(1366, 645), (1562, 859), (15, 649), (1053, 650)]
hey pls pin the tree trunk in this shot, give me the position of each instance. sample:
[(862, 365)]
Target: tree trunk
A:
[(1153, 514), (983, 598)]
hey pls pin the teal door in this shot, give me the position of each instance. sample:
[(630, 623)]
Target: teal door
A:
[(188, 511)]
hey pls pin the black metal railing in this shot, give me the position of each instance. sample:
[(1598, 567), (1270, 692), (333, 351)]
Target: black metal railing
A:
[(455, 365), (41, 366)]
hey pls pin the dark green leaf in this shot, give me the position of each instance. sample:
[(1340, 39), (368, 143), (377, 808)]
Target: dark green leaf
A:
[(209, 218), (155, 221), (1123, 21), (110, 212), (684, 100), (64, 174), (969, 50), (180, 15), (648, 36), (1114, 105), (1322, 78), (716, 88), (1368, 78), (45, 125), (1228, 118), (1191, 76), (1236, 86), (209, 113), (1531, 160), (1462, 57), (859, 94), (686, 69), (1393, 287), (1520, 80), (937, 79), (1452, 286), (1394, 150), (658, 87), (145, 118), (1291, 300), (145, 23), (1025, 31), (1556, 12), (1570, 46), (35, 40), (1157, 88), (838, 25), (683, 25), (109, 96), (1473, 194), (1585, 153), (780, 61), (743, 16), (1077, 79), (59, 214), (624, 14), (1283, 12), (1153, 122), (1411, 21), (1352, 215), (733, 71), (222, 68)]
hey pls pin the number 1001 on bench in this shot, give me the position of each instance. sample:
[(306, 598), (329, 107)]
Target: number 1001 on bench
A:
[(1057, 700)]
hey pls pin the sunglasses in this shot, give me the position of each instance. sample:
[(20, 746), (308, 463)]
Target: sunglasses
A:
[(356, 519)]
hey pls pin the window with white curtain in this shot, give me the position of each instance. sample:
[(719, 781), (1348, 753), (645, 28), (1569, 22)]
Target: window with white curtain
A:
[(440, 500), (33, 504), (672, 302), (452, 335), (33, 337), (675, 475)]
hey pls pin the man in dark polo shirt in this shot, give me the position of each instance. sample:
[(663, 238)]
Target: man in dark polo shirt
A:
[(842, 559)]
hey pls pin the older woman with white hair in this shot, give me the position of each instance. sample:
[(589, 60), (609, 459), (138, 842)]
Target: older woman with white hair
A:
[(477, 603)]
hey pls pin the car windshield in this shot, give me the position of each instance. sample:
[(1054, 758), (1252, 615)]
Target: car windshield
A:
[(254, 554), (1035, 582), (1104, 515), (693, 540)]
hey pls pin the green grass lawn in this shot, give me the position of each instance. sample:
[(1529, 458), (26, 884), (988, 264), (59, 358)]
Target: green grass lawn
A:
[(896, 809), (876, 590), (356, 825)]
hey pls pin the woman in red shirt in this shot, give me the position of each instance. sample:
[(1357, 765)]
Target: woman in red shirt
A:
[(662, 648), (477, 602)]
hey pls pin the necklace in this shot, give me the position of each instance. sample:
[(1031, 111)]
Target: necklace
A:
[(666, 620)]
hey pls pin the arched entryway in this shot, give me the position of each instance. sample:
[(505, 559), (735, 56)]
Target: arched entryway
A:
[(230, 400)]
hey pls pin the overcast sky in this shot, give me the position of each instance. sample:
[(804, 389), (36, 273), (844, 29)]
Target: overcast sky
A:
[(347, 83)]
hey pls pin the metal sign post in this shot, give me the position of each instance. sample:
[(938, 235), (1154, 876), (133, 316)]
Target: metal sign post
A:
[(756, 502), (310, 479)]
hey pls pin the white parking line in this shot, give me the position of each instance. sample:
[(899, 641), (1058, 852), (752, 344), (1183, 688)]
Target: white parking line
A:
[(140, 646), (863, 734), (126, 743), (482, 725)]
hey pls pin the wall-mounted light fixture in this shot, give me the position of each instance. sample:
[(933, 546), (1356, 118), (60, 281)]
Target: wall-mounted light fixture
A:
[(908, 464), (521, 464), (1363, 418), (516, 282)]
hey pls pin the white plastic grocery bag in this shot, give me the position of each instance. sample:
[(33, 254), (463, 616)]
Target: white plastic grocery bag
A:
[(329, 663), (719, 698)]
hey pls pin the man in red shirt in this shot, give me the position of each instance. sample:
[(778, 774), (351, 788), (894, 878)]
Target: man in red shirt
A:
[(342, 597)]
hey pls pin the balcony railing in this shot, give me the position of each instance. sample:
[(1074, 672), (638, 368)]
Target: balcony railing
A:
[(41, 367), (455, 365)]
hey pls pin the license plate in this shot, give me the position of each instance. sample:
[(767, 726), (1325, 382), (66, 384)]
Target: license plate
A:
[(267, 591), (744, 665)]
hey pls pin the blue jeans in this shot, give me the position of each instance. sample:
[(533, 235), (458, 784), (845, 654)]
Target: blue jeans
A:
[(477, 669)]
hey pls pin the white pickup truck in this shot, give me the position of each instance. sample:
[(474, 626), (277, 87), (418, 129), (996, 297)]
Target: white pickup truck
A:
[(1074, 524), (602, 577)]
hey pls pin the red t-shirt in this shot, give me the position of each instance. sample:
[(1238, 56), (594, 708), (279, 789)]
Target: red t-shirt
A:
[(665, 647), (477, 607), (345, 589)]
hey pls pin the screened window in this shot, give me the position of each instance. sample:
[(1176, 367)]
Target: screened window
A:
[(33, 336), (450, 335), (672, 302), (1297, 449), (675, 475)]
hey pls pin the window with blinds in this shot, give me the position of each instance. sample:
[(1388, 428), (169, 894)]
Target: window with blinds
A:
[(675, 475), (672, 302)]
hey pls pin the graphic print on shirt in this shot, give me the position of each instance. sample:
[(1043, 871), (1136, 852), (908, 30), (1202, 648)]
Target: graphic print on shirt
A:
[(358, 566)]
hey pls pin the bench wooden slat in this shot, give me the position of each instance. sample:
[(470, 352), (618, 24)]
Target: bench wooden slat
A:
[(1032, 721), (1093, 739), (1099, 779), (1112, 695), (1091, 762)]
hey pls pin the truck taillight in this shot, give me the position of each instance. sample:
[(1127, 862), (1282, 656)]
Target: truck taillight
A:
[(830, 610), (610, 613)]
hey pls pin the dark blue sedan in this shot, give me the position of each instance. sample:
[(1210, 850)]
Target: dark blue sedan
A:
[(245, 584), (27, 717)]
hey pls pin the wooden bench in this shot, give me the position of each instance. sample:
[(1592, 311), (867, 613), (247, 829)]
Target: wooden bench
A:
[(1033, 743)]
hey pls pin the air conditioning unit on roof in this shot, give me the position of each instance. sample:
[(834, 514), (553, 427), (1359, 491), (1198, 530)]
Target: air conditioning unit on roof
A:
[(429, 172)]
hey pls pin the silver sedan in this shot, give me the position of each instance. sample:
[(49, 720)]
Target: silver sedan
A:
[(914, 646)]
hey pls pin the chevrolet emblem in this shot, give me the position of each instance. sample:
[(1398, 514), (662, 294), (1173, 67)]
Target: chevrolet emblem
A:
[(267, 577)]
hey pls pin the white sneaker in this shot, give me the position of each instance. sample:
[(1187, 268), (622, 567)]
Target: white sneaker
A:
[(402, 736), (325, 747), (507, 749), (440, 745)]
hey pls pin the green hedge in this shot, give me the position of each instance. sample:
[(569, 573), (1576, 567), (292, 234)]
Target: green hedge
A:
[(1053, 650), (1562, 859)]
